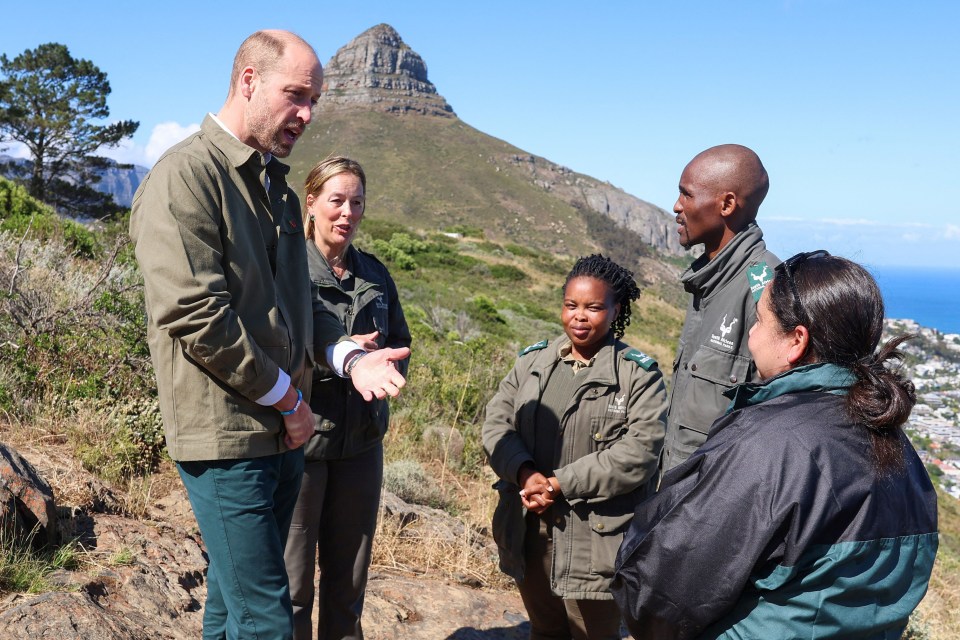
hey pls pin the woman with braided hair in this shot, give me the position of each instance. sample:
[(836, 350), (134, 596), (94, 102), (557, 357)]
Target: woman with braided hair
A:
[(806, 513), (574, 433)]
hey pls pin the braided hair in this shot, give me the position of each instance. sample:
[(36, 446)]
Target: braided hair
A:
[(620, 281), (841, 307)]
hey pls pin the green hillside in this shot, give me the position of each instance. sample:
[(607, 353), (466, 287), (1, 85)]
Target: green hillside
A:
[(433, 173)]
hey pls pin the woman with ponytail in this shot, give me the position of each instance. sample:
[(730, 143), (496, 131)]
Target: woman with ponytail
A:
[(806, 513)]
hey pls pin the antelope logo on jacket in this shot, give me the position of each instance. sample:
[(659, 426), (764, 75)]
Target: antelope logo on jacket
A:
[(720, 339), (618, 405)]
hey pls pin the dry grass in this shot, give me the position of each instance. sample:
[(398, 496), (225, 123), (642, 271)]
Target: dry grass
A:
[(940, 609), (462, 553)]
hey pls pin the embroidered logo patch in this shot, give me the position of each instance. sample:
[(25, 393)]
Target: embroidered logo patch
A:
[(757, 278), (720, 339), (534, 347), (619, 405), (642, 359), (380, 302)]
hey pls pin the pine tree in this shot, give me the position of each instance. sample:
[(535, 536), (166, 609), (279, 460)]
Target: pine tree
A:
[(51, 103)]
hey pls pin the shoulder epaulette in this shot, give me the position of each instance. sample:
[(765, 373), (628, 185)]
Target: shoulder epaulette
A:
[(758, 276), (534, 347), (642, 359)]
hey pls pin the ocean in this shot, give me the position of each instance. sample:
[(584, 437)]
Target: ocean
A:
[(929, 296)]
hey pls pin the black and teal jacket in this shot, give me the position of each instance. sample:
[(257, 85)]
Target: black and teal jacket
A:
[(780, 527)]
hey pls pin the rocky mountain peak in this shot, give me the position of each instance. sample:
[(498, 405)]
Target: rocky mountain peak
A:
[(377, 70)]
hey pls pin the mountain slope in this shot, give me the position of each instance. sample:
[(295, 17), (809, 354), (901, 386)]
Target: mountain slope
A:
[(429, 170)]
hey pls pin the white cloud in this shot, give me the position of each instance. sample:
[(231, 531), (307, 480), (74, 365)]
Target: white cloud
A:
[(868, 242), (163, 136), (14, 149)]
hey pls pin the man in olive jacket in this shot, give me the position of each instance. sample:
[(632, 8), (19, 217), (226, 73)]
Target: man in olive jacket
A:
[(230, 328), (720, 192)]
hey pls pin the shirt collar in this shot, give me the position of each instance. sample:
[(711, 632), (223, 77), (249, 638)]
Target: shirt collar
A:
[(565, 353)]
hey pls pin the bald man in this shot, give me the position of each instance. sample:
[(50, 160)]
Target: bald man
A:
[(720, 193), (232, 333)]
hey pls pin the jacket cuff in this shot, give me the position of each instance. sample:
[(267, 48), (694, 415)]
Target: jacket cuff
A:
[(275, 394)]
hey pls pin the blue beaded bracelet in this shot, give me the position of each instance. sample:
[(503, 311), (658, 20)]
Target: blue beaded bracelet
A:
[(295, 407)]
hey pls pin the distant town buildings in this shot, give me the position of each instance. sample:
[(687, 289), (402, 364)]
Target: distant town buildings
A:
[(933, 363)]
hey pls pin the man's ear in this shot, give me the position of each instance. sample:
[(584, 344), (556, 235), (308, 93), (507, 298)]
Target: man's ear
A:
[(799, 342), (248, 80), (728, 204)]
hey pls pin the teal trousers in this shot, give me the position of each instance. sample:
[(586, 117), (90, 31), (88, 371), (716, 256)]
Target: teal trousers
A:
[(243, 508)]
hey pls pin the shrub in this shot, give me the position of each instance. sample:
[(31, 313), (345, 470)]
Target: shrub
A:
[(118, 440), (507, 272), (408, 481), (483, 310)]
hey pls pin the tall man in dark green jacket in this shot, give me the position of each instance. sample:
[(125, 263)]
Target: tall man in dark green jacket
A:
[(720, 192), (231, 330)]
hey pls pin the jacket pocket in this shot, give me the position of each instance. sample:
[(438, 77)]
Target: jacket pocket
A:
[(606, 533), (604, 431), (711, 373)]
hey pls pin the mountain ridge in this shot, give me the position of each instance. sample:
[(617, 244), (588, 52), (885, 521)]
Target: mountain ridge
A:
[(428, 168)]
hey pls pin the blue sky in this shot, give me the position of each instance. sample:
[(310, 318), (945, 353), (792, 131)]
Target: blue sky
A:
[(852, 105)]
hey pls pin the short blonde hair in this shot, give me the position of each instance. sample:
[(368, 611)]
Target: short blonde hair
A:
[(318, 176), (262, 51)]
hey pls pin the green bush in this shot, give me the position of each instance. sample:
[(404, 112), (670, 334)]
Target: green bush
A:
[(83, 241), (129, 441), (507, 272), (483, 310), (15, 202)]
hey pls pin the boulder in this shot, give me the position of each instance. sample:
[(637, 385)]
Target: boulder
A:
[(27, 507)]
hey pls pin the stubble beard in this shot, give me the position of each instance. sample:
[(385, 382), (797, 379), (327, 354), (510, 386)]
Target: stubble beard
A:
[(268, 135)]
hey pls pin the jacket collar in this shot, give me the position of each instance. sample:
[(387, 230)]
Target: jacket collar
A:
[(320, 270), (603, 370), (238, 153), (705, 274), (821, 376)]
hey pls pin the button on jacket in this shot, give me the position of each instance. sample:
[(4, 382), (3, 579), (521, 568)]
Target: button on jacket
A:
[(609, 440), (346, 424), (713, 356)]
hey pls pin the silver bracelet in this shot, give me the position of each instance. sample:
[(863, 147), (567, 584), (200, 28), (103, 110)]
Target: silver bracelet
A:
[(351, 363)]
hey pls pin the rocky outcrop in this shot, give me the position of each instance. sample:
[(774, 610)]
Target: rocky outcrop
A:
[(26, 500), (652, 223), (121, 181), (145, 578), (377, 70)]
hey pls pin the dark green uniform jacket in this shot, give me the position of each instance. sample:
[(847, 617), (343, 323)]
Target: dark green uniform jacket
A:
[(609, 440), (779, 526), (712, 356), (345, 424)]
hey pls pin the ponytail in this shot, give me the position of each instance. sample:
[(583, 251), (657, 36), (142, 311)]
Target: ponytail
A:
[(881, 400)]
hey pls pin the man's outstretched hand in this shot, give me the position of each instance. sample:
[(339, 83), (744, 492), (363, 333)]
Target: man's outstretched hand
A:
[(375, 376)]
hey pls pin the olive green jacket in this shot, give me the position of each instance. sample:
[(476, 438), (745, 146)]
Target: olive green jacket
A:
[(713, 355), (347, 425), (610, 437), (227, 294)]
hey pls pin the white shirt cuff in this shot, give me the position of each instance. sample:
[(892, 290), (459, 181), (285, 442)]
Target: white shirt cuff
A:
[(276, 394), (337, 354)]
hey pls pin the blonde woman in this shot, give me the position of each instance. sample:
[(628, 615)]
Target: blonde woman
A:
[(339, 497)]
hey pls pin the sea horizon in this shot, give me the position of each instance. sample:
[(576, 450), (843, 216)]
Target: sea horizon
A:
[(930, 296)]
